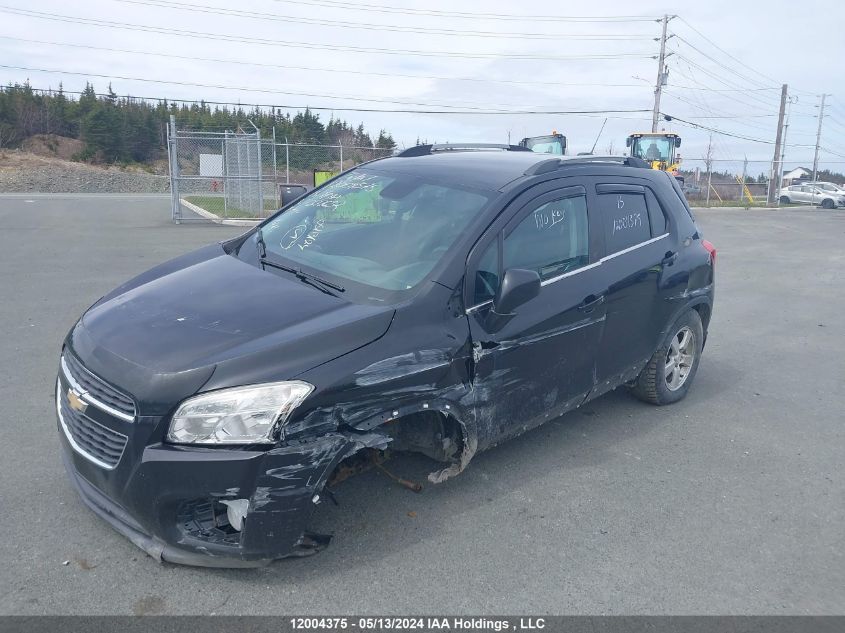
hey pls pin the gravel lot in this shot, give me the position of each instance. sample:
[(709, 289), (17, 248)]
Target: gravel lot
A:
[(25, 172), (732, 501)]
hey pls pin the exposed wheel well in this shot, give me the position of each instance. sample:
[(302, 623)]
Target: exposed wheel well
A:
[(434, 434), (704, 312), (431, 433)]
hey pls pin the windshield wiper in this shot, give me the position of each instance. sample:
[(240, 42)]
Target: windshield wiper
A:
[(318, 282), (262, 245), (313, 280)]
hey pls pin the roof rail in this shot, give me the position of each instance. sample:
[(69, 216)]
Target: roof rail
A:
[(545, 166), (424, 150)]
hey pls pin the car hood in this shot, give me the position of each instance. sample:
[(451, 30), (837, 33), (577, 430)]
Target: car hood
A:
[(211, 320)]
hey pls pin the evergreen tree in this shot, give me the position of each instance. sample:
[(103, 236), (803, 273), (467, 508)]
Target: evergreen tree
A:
[(126, 129)]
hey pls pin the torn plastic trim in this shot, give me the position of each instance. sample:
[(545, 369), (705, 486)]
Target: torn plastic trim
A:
[(156, 548), (379, 412)]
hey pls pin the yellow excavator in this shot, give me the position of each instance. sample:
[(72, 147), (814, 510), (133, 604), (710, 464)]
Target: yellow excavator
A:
[(658, 149)]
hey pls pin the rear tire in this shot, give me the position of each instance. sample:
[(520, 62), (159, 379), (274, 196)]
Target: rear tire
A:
[(827, 203), (671, 369), (784, 200)]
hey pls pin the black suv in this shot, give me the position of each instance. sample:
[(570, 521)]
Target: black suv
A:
[(439, 301)]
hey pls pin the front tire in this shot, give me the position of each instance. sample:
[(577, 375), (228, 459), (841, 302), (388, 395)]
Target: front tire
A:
[(671, 369), (827, 203)]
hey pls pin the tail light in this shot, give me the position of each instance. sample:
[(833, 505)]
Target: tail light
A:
[(710, 249)]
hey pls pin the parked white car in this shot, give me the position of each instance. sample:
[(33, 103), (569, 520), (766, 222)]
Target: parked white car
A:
[(811, 194), (832, 187)]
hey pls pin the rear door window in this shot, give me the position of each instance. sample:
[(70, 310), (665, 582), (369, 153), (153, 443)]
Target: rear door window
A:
[(624, 216)]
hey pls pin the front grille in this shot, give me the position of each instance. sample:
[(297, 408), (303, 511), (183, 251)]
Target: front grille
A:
[(98, 389), (94, 441)]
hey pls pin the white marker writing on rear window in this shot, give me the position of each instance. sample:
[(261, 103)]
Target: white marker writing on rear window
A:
[(629, 221)]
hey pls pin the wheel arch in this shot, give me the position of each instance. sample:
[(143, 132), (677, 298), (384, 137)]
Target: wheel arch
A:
[(453, 413), (701, 304)]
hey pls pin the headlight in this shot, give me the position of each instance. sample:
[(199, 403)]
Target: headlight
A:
[(242, 415)]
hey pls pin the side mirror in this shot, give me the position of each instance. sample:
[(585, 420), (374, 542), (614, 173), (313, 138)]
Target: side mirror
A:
[(677, 141), (628, 142), (518, 286)]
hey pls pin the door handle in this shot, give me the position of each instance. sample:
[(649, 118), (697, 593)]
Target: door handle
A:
[(669, 258), (590, 302)]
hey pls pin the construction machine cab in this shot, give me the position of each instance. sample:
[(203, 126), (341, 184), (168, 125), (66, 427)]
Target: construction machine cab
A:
[(658, 149), (553, 143)]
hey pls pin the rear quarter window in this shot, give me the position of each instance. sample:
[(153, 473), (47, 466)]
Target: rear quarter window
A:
[(656, 215), (625, 219)]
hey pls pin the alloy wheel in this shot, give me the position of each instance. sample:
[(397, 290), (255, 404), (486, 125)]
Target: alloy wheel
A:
[(679, 358)]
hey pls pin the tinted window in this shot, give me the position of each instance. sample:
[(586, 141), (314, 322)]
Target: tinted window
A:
[(487, 274), (625, 220), (656, 216), (553, 239)]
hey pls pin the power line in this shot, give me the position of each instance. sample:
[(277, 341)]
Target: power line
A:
[(725, 82), (240, 13), (723, 51), (359, 6), (713, 115), (546, 83), (705, 107), (295, 44), (720, 64), (824, 149), (344, 109), (724, 133), (275, 92)]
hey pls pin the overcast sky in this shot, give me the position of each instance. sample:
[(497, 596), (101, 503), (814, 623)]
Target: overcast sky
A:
[(304, 53)]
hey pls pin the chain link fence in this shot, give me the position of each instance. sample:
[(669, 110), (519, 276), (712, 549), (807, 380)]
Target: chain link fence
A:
[(725, 182), (238, 175)]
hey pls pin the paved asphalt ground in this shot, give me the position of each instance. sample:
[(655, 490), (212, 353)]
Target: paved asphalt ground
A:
[(732, 501)]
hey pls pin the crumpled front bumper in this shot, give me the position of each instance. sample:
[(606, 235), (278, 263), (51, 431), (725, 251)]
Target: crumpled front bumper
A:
[(153, 498)]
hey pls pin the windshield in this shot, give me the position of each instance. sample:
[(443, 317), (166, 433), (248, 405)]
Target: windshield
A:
[(652, 148), (382, 230), (545, 145)]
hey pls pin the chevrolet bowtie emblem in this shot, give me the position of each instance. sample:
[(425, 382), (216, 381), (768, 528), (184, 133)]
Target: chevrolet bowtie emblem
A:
[(76, 403)]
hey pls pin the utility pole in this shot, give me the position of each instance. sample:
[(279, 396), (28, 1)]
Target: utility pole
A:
[(818, 138), (709, 163), (777, 167), (662, 74), (744, 176), (792, 99)]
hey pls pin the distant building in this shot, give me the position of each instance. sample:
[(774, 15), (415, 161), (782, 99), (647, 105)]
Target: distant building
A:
[(799, 173)]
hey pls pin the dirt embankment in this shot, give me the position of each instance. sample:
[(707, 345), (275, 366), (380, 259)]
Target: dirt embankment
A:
[(44, 165)]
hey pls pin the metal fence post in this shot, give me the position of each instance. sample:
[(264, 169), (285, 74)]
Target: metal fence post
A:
[(260, 167), (176, 205), (287, 160), (225, 171), (228, 189), (340, 144), (275, 172)]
